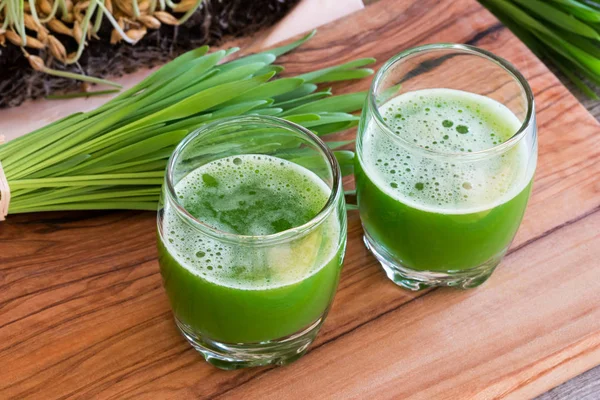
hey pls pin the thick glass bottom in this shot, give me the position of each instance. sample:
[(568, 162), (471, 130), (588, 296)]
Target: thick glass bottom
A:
[(418, 280), (231, 356)]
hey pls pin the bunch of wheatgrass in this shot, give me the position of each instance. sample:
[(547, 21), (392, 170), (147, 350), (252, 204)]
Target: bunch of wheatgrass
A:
[(115, 156), (566, 32)]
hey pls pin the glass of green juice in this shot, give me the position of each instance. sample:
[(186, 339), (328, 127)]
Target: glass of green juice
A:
[(251, 238), (446, 152)]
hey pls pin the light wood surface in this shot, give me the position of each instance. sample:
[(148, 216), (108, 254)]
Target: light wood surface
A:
[(83, 313)]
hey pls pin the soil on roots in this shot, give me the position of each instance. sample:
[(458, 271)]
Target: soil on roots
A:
[(215, 20)]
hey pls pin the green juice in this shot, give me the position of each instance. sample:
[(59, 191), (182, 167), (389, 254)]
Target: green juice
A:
[(436, 214), (235, 293)]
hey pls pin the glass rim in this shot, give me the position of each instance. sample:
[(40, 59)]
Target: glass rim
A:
[(285, 235), (468, 49)]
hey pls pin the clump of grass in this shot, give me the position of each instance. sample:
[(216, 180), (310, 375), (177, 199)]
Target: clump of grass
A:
[(565, 32), (114, 157)]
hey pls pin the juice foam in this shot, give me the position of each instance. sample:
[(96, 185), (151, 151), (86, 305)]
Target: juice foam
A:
[(252, 195), (448, 122)]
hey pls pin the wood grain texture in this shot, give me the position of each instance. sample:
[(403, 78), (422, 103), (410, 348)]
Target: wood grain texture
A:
[(83, 314), (443, 344)]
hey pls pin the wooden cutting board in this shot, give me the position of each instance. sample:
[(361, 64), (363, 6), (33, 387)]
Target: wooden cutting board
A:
[(83, 313)]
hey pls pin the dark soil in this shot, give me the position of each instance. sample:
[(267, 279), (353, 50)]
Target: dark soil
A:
[(215, 20)]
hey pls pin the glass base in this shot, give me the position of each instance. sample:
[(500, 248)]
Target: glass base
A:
[(230, 356), (418, 280)]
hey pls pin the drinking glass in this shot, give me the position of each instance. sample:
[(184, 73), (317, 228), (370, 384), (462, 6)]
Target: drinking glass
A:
[(436, 212), (250, 299)]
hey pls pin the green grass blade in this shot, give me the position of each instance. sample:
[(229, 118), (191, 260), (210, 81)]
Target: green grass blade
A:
[(277, 69), (265, 59), (220, 78), (579, 10), (266, 111), (239, 108), (19, 147), (191, 123), (60, 167), (585, 44), (327, 129), (279, 51), (149, 163), (288, 105), (388, 93), (344, 75), (301, 118), (173, 68), (269, 90), (76, 141), (346, 160), (546, 35), (567, 69), (342, 103), (197, 71), (337, 145), (37, 183), (74, 197), (108, 205), (303, 90), (317, 76), (526, 37), (158, 165), (583, 60), (178, 65), (202, 101), (559, 18), (64, 144), (99, 148), (330, 118), (139, 149), (591, 3), (42, 195), (76, 95)]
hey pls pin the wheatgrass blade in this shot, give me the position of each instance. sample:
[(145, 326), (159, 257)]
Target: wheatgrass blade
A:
[(139, 149), (289, 104), (565, 68), (304, 90), (346, 160), (269, 90), (173, 68), (580, 10), (559, 18), (320, 75), (342, 103), (327, 129), (233, 76), (266, 111)]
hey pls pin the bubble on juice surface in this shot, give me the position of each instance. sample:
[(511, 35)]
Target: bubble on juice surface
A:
[(445, 122), (236, 199)]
